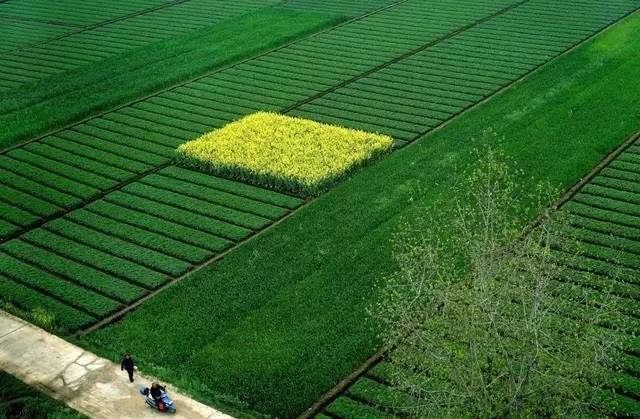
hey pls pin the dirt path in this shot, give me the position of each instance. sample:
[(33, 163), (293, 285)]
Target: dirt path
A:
[(91, 385)]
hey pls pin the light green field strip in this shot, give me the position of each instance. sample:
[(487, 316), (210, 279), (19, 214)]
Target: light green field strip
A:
[(114, 251)]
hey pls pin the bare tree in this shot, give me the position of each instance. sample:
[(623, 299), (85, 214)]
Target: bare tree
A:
[(482, 323)]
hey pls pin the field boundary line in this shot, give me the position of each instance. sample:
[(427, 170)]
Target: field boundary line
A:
[(609, 158), (405, 56), (196, 78), (121, 313), (100, 24), (344, 384)]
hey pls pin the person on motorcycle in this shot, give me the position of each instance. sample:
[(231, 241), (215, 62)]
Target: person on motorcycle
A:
[(156, 391)]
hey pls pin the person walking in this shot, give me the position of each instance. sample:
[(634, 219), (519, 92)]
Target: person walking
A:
[(128, 364)]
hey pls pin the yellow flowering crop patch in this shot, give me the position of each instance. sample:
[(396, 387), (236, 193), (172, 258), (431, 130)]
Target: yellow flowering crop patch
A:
[(282, 152)]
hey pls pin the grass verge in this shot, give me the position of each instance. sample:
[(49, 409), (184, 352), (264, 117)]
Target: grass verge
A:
[(39, 107), (283, 318), (18, 400)]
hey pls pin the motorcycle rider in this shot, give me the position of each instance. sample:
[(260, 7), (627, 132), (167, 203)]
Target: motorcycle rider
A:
[(156, 393)]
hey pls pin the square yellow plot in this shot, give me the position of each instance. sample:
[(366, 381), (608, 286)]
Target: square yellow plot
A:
[(284, 153)]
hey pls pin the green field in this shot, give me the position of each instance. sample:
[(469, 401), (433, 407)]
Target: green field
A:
[(17, 400), (95, 215)]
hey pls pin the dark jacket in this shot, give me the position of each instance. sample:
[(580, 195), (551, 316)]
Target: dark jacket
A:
[(127, 364), (156, 392)]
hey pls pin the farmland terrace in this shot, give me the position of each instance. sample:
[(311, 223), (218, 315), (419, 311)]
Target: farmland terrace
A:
[(95, 217)]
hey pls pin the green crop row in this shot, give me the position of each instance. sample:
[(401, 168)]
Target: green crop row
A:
[(192, 125), (630, 158), (600, 283), (178, 216), (575, 258), (15, 215), (313, 114), (382, 371), (594, 250), (237, 94), (119, 124), (230, 111), (29, 202), (140, 236), (245, 89), (141, 128), (245, 190), (141, 149), (152, 223), (226, 198), (607, 203), (612, 226), (382, 396), (143, 161), (374, 115), (194, 118), (46, 178), (625, 166), (604, 238), (616, 222), (197, 205), (613, 173), (118, 267), (345, 407), (72, 173), (7, 228), (86, 164), (68, 292), (116, 163), (29, 299), (77, 13), (118, 247), (175, 127), (77, 272), (607, 192), (354, 95), (617, 184)]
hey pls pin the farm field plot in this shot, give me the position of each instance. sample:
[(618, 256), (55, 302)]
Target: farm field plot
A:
[(149, 21), (141, 137), (605, 224), (301, 324), (412, 96), (94, 261), (95, 216)]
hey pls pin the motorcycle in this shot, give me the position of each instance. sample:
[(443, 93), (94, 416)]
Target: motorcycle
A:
[(165, 404)]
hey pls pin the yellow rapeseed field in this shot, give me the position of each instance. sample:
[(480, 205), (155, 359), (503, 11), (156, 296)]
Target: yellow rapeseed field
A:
[(282, 152)]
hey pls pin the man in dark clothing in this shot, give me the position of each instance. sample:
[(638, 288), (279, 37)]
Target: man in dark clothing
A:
[(127, 364)]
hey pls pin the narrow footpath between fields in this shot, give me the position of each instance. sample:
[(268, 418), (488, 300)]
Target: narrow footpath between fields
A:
[(92, 385)]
